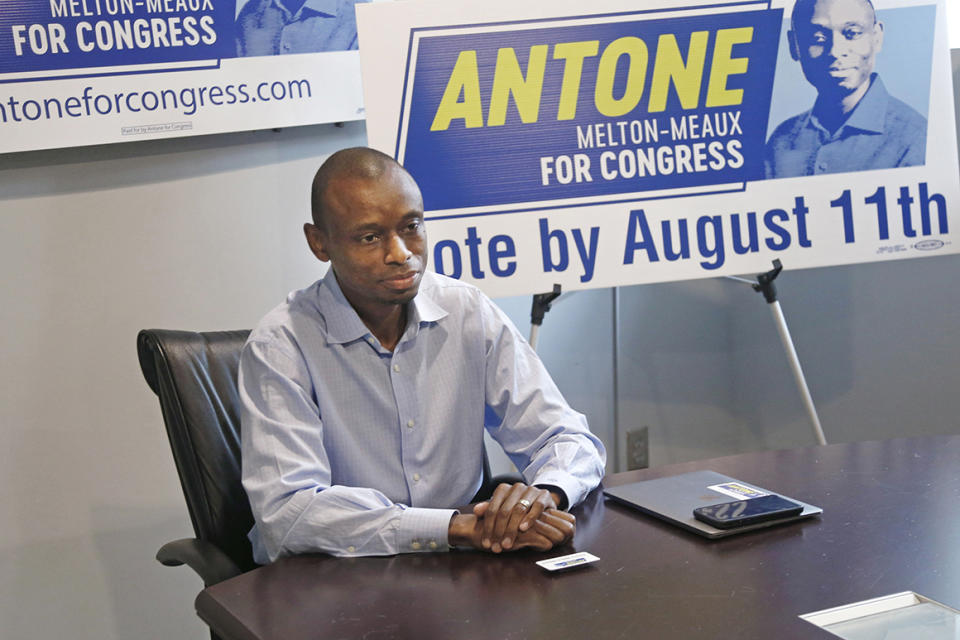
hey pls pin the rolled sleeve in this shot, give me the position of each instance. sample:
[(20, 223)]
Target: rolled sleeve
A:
[(548, 441)]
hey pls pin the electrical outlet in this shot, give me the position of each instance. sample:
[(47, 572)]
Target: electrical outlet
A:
[(638, 448)]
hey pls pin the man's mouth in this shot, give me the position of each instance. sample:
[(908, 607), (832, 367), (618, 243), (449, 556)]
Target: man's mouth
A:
[(402, 281)]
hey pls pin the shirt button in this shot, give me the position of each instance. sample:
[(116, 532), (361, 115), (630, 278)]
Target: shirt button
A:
[(416, 477), (351, 548), (410, 423), (396, 368), (433, 544), (415, 545)]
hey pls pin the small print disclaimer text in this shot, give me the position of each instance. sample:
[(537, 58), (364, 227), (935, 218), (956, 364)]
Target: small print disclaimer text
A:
[(156, 128)]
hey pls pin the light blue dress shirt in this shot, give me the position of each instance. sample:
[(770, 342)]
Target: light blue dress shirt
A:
[(881, 133), (351, 449)]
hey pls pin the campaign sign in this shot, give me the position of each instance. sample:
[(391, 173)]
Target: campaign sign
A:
[(75, 72), (516, 103), (102, 33), (615, 145)]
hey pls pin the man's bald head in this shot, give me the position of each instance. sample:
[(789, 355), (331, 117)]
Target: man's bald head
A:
[(368, 224), (803, 10), (356, 162)]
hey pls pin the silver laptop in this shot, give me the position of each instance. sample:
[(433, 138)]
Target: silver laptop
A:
[(674, 498)]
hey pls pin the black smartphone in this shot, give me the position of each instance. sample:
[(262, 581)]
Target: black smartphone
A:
[(740, 513)]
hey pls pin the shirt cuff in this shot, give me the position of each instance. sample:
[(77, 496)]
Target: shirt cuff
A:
[(564, 502), (570, 487), (424, 529)]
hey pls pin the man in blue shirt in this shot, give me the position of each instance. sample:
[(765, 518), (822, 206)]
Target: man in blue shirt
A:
[(273, 27), (363, 396), (854, 125)]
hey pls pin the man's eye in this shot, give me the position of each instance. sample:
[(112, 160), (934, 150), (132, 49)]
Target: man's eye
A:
[(370, 238), (852, 33), (819, 37), (412, 228)]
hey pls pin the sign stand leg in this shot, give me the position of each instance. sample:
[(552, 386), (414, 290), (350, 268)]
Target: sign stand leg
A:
[(616, 379), (541, 304), (765, 286)]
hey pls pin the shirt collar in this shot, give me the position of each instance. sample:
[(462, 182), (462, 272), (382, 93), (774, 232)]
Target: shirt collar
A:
[(426, 307), (344, 325), (871, 111), (868, 115), (326, 7)]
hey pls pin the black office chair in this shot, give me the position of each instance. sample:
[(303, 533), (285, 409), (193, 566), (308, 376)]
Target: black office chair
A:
[(195, 377)]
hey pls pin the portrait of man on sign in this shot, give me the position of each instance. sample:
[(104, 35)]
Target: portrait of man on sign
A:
[(274, 27), (854, 124)]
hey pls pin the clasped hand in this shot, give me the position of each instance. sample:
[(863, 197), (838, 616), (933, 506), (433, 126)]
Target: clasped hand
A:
[(515, 517)]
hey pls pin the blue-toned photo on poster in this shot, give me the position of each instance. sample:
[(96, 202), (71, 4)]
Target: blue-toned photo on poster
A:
[(606, 107), (43, 35), (866, 71), (279, 27)]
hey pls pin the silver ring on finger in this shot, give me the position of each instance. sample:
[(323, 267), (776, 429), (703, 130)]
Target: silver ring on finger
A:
[(523, 502)]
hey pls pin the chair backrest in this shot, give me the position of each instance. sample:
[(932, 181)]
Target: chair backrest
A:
[(195, 377)]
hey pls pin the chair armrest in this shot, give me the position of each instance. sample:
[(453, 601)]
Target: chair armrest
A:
[(205, 558)]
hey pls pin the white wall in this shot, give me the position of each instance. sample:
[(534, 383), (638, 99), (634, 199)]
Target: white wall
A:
[(204, 233), (96, 244)]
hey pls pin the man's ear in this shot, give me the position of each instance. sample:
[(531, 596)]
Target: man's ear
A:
[(794, 45), (317, 241), (878, 37)]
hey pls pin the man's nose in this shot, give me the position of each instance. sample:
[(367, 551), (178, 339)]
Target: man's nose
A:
[(838, 45), (397, 252)]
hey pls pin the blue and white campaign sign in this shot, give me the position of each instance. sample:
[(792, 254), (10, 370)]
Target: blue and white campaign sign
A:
[(78, 72), (610, 144)]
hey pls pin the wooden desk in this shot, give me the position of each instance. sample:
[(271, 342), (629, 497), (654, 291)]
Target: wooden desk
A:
[(891, 523)]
